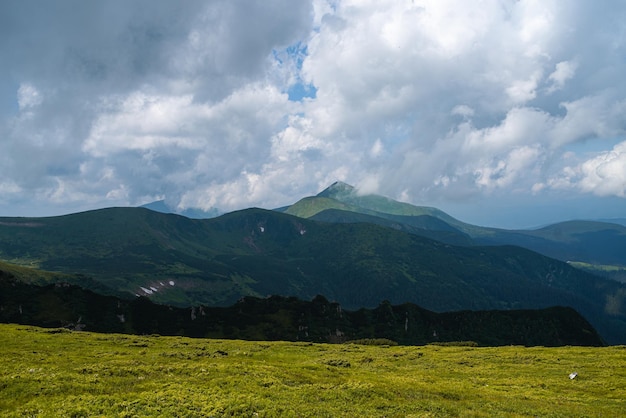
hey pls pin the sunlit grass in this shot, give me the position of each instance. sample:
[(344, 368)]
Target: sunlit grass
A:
[(615, 272), (52, 373)]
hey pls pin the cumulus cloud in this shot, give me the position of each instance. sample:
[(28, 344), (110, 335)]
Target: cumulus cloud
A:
[(403, 77), (603, 175), (234, 104), (28, 96), (564, 71)]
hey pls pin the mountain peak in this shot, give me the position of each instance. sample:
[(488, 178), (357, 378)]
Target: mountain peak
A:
[(337, 188), (157, 206)]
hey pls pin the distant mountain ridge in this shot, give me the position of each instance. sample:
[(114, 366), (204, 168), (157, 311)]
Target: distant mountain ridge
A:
[(619, 221), (193, 213)]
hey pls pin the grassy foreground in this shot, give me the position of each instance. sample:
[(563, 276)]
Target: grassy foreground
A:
[(56, 373)]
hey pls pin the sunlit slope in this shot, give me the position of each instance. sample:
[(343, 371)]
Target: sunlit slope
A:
[(31, 275), (343, 197), (383, 206)]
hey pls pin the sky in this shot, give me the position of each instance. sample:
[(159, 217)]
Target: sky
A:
[(508, 113)]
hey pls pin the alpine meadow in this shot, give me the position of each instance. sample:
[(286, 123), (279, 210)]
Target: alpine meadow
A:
[(56, 372)]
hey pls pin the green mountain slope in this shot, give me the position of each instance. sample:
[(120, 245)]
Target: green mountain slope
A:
[(348, 194), (311, 206), (256, 252), (340, 203), (383, 206)]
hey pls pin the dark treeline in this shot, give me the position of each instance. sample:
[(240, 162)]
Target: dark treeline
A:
[(289, 319)]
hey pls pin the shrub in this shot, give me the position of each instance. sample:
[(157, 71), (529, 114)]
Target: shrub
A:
[(374, 341)]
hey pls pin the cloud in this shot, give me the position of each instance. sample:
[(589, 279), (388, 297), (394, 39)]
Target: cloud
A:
[(404, 76), (28, 96), (178, 146), (141, 99), (602, 175), (564, 71), (235, 104)]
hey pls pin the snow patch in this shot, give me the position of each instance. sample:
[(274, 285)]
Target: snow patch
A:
[(146, 291), (155, 287)]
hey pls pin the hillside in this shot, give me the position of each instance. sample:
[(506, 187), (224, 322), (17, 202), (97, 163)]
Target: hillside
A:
[(184, 262)]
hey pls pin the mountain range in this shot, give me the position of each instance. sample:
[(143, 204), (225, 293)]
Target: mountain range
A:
[(356, 250)]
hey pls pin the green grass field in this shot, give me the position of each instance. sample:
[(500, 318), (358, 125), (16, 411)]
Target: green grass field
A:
[(58, 373)]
